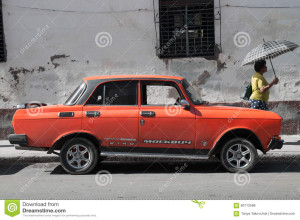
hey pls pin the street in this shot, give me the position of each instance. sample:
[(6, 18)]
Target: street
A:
[(37, 175), (271, 179)]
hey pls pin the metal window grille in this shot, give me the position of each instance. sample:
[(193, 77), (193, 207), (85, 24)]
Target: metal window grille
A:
[(2, 41), (186, 28)]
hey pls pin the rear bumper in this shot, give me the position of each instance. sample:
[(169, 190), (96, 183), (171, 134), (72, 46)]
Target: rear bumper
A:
[(275, 144), (20, 139)]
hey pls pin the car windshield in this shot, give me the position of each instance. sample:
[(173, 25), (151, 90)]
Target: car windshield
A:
[(192, 93), (76, 94)]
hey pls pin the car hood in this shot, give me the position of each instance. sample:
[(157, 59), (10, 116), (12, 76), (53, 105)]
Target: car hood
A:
[(221, 111)]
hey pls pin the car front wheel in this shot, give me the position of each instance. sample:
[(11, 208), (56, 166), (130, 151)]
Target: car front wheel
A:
[(79, 156), (239, 155)]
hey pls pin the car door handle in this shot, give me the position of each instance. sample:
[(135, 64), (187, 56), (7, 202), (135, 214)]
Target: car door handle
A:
[(92, 114), (147, 113), (66, 114)]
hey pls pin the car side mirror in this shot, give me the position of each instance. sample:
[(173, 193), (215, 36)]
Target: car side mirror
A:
[(185, 104)]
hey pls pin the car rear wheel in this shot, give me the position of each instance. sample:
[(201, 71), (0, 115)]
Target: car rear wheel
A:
[(79, 156), (239, 155)]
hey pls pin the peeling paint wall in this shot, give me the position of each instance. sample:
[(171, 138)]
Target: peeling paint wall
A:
[(51, 47)]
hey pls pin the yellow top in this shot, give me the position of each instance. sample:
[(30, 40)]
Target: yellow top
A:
[(257, 82)]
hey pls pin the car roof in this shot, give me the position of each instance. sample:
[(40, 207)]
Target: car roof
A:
[(133, 77)]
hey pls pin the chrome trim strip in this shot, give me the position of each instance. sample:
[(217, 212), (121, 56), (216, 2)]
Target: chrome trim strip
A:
[(178, 156)]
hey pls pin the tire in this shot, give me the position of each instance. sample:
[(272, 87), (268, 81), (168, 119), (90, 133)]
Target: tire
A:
[(79, 156), (239, 155)]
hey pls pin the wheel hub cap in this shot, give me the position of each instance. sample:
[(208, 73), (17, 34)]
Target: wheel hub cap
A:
[(238, 155), (78, 156)]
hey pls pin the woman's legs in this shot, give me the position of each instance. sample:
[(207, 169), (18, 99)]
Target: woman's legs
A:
[(258, 104)]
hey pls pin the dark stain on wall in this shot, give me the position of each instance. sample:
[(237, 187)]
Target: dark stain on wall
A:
[(166, 61), (41, 69), (16, 71), (220, 65), (202, 78), (55, 57), (5, 99)]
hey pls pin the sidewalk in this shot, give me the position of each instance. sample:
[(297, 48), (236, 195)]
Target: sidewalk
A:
[(289, 151), (8, 154)]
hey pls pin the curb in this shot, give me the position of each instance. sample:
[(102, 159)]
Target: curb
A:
[(48, 159), (54, 158)]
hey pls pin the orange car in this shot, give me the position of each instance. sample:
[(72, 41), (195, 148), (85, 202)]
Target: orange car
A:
[(144, 116)]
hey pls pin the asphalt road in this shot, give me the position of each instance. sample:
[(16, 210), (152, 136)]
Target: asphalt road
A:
[(273, 179)]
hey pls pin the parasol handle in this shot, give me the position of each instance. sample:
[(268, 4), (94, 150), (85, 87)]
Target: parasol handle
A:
[(271, 62), (272, 67)]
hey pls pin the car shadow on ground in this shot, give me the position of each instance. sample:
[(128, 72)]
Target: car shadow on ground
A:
[(183, 167), (12, 168)]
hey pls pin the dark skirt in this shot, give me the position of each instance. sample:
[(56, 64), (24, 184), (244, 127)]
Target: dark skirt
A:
[(258, 104)]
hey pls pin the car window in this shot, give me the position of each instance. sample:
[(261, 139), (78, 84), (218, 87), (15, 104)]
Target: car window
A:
[(76, 94), (160, 93), (115, 93), (192, 93)]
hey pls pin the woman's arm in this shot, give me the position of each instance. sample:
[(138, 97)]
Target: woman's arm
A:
[(265, 88)]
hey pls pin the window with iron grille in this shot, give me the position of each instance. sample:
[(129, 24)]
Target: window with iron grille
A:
[(186, 28), (2, 42)]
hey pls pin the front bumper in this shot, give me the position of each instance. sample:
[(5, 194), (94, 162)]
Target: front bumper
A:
[(275, 144), (20, 139)]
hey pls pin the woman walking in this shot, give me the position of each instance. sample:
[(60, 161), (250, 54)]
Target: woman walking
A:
[(260, 87)]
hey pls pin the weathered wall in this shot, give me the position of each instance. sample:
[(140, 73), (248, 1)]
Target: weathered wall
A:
[(51, 47)]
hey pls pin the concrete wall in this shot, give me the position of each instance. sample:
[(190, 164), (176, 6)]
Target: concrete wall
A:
[(51, 46)]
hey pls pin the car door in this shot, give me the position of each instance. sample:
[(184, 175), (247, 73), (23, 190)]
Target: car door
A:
[(111, 113), (163, 123)]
